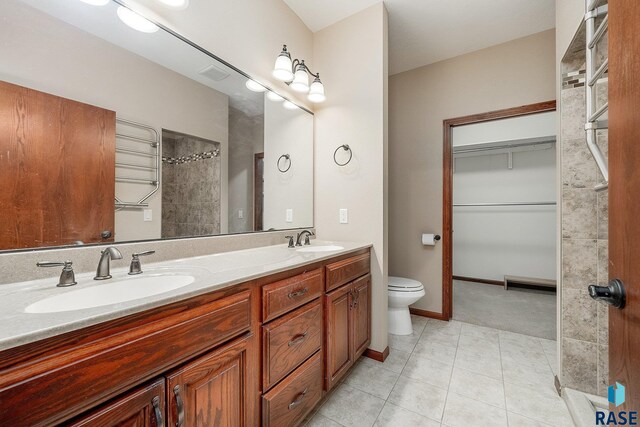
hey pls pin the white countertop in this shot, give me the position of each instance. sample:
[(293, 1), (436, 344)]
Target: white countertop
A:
[(212, 272)]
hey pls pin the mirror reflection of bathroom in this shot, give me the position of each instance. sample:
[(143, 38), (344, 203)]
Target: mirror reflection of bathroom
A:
[(504, 222)]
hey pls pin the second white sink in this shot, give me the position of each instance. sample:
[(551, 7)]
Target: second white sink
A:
[(111, 292), (325, 248)]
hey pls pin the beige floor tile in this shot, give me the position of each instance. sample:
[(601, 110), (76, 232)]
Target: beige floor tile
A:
[(479, 345), (351, 407), (395, 416), (516, 420), (477, 386), (480, 363), (435, 350), (403, 342), (489, 334), (419, 397), (461, 411), (394, 362), (322, 421), (537, 375), (372, 379), (537, 404), (429, 371)]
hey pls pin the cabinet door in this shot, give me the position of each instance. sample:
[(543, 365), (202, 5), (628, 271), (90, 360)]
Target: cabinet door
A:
[(143, 407), (361, 315), (212, 390), (338, 348)]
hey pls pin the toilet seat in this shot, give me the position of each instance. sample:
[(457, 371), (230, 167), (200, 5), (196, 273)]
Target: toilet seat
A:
[(402, 284)]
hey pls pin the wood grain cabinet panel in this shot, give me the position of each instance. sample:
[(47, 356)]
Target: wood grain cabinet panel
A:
[(289, 341), (361, 315), (338, 349), (289, 402), (342, 272), (285, 295), (212, 390), (142, 407)]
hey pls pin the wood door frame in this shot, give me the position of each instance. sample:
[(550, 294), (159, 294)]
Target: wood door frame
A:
[(447, 183), (257, 223)]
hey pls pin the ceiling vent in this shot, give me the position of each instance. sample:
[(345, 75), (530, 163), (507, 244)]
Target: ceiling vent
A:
[(214, 73)]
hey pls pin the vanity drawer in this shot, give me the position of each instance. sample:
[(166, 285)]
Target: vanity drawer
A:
[(290, 401), (285, 295), (288, 341), (342, 272)]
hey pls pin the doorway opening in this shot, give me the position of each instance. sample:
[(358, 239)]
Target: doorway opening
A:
[(499, 219)]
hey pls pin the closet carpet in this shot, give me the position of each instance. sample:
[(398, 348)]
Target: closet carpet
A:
[(524, 311)]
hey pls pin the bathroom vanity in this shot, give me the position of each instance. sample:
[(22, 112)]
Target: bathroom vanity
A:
[(260, 343)]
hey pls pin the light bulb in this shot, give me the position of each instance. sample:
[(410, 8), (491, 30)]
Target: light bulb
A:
[(300, 81), (282, 69), (136, 21), (289, 105), (96, 2), (316, 91), (274, 97), (175, 4), (254, 86)]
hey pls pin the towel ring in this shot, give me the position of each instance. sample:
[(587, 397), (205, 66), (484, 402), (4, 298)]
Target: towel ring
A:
[(286, 157), (345, 147)]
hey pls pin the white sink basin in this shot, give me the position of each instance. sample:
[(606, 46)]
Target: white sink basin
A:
[(325, 248), (111, 292)]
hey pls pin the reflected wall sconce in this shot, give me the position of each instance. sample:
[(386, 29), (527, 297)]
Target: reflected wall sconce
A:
[(296, 74)]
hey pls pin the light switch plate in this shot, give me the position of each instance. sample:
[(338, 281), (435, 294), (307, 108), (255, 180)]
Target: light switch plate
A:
[(344, 216), (240, 214), (148, 215), (289, 215)]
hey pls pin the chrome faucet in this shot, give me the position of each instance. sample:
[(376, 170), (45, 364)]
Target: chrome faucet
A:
[(67, 277), (103, 271), (135, 267), (305, 233)]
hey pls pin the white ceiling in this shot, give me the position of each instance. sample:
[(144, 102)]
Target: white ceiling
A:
[(422, 32)]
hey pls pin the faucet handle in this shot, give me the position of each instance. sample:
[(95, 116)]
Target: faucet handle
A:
[(67, 276), (306, 238), (135, 267), (291, 245)]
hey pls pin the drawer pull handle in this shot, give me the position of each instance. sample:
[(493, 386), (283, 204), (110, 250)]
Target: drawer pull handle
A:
[(298, 293), (298, 400), (180, 405), (297, 339), (156, 409)]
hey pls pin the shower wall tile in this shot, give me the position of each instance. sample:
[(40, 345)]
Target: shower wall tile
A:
[(580, 365), (579, 315), (579, 263), (603, 369), (579, 213), (603, 216), (603, 324), (578, 167), (603, 262), (573, 113)]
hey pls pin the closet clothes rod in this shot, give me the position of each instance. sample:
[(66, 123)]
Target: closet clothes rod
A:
[(505, 204)]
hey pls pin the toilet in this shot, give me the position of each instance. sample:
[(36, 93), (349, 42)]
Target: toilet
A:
[(402, 293)]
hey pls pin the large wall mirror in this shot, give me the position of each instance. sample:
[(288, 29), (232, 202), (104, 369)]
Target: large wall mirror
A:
[(108, 133)]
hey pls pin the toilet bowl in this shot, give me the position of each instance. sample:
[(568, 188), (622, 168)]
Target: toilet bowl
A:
[(402, 293)]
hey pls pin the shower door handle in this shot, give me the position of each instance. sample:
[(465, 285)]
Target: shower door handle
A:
[(614, 294)]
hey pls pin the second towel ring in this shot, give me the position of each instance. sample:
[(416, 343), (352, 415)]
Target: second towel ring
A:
[(345, 147), (286, 157)]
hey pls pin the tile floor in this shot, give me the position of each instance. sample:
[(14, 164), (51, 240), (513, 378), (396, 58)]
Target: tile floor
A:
[(450, 374)]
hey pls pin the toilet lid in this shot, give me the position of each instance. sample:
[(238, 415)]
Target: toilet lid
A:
[(402, 283)]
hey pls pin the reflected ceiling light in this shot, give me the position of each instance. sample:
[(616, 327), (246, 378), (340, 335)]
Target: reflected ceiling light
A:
[(296, 74), (96, 2), (175, 4), (254, 86), (289, 105), (274, 97), (136, 21)]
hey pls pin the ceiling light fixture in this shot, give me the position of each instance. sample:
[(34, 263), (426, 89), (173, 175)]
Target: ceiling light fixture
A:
[(254, 86), (274, 97), (96, 2), (175, 4), (296, 74), (136, 21)]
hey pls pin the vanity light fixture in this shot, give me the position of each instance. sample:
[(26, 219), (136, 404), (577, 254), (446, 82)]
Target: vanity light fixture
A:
[(96, 2), (175, 4), (254, 86), (296, 74), (136, 21), (289, 105), (274, 97)]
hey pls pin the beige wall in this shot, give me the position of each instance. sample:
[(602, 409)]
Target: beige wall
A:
[(507, 75), (248, 34), (353, 57)]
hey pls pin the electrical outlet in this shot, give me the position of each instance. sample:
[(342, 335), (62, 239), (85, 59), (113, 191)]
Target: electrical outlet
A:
[(148, 215), (240, 214), (344, 216), (289, 215)]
